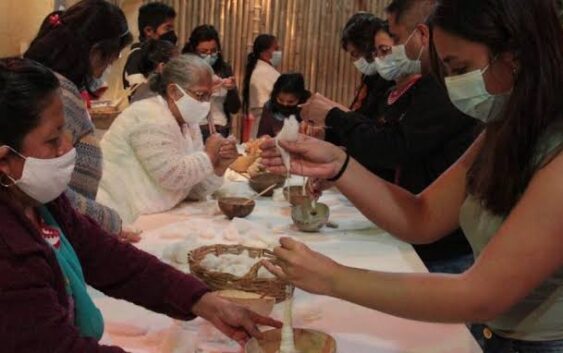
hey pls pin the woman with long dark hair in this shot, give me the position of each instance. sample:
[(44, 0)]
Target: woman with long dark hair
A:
[(259, 77), (503, 64), (79, 44), (204, 41), (288, 93)]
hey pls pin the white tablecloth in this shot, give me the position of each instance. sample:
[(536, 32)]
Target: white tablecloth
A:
[(354, 243)]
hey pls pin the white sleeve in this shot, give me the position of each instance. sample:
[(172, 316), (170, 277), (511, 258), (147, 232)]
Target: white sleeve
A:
[(162, 157)]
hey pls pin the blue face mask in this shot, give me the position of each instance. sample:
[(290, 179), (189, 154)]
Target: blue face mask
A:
[(210, 59), (365, 67), (469, 94), (397, 64)]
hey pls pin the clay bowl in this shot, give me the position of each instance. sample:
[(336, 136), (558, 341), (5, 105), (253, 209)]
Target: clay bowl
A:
[(262, 305), (310, 220), (261, 182), (235, 206), (306, 341), (294, 195)]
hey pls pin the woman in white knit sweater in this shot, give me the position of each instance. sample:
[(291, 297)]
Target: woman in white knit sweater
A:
[(154, 156)]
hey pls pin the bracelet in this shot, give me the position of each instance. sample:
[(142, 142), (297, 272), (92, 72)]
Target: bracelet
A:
[(342, 170)]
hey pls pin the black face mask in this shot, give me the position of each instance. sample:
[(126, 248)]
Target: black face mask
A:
[(169, 36), (285, 110)]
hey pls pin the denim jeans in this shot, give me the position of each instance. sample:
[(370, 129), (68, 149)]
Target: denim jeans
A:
[(497, 344), (454, 266)]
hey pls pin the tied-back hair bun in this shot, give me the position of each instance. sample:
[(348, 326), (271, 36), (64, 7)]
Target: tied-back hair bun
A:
[(156, 83)]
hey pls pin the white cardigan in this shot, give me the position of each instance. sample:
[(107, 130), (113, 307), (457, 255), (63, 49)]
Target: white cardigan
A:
[(150, 164), (262, 83)]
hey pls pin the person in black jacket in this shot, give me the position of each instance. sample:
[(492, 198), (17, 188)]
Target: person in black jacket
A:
[(225, 101), (419, 133), (357, 39), (155, 21)]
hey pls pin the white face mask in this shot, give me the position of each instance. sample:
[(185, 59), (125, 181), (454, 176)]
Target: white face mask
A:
[(276, 58), (45, 179), (210, 59), (397, 64), (365, 67), (192, 110), (469, 94)]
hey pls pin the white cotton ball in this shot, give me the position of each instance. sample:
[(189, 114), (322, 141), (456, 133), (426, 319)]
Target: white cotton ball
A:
[(255, 244), (236, 270), (211, 262), (181, 251), (231, 233), (264, 273), (289, 133)]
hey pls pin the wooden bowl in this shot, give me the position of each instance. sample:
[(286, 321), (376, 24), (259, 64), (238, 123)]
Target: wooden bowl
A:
[(261, 182), (260, 304), (103, 117), (239, 207), (306, 341), (294, 195), (308, 220)]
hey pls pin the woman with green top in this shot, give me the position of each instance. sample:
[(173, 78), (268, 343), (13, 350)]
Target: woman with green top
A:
[(502, 63)]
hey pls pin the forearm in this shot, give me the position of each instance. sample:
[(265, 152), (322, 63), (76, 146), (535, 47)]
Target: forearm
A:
[(422, 297)]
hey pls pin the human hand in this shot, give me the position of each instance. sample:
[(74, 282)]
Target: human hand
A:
[(227, 155), (309, 157), (316, 186), (309, 129), (130, 235), (212, 147), (230, 83), (316, 109), (234, 321), (303, 267)]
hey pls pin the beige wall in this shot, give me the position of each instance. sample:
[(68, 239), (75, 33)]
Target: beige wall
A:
[(19, 22)]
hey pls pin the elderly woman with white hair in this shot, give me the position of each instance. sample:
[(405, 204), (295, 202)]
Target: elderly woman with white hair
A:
[(154, 156)]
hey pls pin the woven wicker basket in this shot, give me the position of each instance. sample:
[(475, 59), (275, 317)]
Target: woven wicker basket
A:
[(250, 282)]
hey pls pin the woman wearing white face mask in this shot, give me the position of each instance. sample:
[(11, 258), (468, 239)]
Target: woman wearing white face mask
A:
[(49, 253), (358, 39), (259, 77), (505, 192), (154, 156), (225, 101)]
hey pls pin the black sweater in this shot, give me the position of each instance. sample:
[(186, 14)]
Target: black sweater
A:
[(422, 135)]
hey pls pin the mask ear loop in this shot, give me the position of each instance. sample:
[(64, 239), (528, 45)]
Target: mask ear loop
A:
[(3, 176), (4, 184)]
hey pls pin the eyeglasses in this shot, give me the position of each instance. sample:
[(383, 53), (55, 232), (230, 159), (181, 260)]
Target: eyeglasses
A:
[(199, 95), (208, 52), (384, 50)]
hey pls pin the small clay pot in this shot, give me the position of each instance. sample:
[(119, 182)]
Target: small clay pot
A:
[(261, 182), (239, 207), (308, 219), (294, 195), (306, 341)]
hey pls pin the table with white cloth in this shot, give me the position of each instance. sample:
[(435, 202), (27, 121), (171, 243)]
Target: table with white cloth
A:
[(356, 242)]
